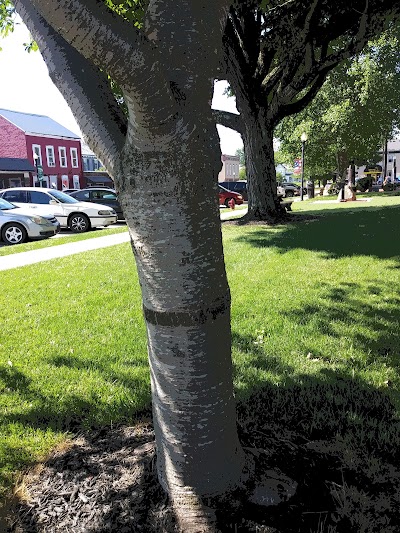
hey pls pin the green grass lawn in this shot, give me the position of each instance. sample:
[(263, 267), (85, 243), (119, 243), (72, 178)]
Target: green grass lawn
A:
[(315, 320)]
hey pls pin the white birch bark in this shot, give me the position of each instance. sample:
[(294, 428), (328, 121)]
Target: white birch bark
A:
[(166, 172), (186, 301)]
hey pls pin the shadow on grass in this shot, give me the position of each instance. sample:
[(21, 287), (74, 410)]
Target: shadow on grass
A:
[(333, 435), (331, 432), (370, 325), (337, 233), (338, 439), (75, 412)]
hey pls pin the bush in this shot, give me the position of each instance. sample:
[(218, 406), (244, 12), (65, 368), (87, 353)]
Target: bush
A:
[(333, 188), (364, 184)]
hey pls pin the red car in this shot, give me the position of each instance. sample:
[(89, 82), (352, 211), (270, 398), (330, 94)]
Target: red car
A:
[(225, 196)]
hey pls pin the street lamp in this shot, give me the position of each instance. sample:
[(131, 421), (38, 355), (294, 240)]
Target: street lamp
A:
[(303, 143)]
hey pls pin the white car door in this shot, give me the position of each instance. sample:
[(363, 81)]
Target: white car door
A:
[(43, 204), (38, 203)]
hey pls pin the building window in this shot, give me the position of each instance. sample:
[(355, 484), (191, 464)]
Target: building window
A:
[(51, 160), (74, 157), (36, 149), (62, 154)]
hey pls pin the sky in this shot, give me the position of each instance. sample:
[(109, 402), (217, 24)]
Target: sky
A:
[(25, 86)]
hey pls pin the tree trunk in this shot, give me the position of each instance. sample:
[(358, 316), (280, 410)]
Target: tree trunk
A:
[(342, 160), (263, 203), (173, 218)]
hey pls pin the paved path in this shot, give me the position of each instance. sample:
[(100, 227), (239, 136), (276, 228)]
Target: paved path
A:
[(45, 254)]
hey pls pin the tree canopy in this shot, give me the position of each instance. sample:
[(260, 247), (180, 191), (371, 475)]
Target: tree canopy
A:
[(356, 110), (277, 56)]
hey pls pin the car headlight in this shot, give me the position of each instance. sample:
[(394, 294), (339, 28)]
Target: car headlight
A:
[(106, 212), (39, 220), (240, 196)]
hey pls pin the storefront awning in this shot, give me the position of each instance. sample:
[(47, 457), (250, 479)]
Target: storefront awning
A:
[(13, 164)]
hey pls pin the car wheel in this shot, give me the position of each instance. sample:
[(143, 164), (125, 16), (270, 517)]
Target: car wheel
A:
[(289, 194), (13, 233), (228, 200), (79, 223)]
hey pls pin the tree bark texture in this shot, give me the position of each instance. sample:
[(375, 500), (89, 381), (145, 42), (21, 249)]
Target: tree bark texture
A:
[(263, 203), (175, 229), (257, 135), (165, 159)]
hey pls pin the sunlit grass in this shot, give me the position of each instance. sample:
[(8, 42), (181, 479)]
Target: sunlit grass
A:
[(315, 309)]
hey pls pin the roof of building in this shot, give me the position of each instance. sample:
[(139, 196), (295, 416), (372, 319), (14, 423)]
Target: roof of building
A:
[(13, 164), (225, 157), (37, 124), (86, 150)]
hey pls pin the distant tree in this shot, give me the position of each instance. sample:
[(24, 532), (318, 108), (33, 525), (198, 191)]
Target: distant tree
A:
[(356, 109), (240, 153), (277, 56), (280, 176)]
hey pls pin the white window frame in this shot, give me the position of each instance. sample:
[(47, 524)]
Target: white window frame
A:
[(37, 149), (50, 156), (60, 157), (74, 157)]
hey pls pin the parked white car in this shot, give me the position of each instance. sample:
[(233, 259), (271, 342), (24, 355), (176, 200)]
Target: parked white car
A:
[(18, 225), (72, 214)]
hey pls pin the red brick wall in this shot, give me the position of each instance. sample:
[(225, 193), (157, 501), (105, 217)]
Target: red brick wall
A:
[(57, 170), (56, 143), (12, 140)]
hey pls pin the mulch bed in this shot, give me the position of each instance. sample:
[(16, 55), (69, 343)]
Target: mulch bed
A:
[(106, 482)]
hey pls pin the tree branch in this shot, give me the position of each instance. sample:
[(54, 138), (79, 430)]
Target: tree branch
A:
[(98, 34), (191, 22), (84, 87), (228, 120), (311, 70), (301, 103), (125, 53)]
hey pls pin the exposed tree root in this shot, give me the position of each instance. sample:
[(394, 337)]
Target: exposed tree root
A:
[(193, 515)]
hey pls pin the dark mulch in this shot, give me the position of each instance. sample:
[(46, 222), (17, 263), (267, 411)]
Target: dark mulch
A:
[(106, 481)]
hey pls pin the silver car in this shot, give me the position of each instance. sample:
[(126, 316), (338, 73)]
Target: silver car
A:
[(17, 225), (77, 216)]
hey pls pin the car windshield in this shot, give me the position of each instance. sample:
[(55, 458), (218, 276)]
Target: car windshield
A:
[(6, 205), (63, 198)]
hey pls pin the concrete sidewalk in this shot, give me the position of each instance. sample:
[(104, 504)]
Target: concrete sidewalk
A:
[(45, 254)]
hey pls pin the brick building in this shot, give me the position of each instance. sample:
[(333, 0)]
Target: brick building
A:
[(29, 141), (230, 168)]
